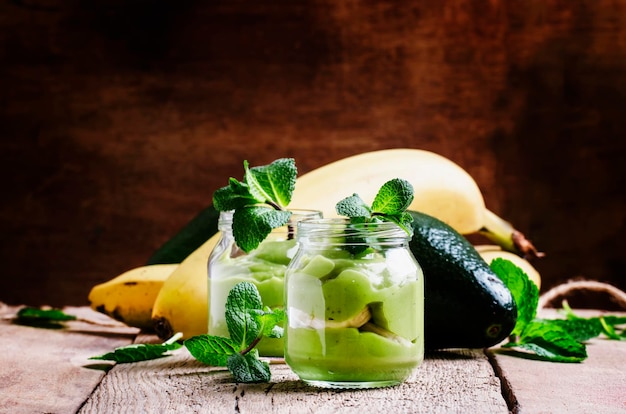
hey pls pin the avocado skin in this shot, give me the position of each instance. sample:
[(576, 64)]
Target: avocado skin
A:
[(466, 305), (193, 235)]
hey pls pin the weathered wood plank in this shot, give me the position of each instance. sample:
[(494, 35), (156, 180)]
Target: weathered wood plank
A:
[(44, 371), (597, 385), (455, 381)]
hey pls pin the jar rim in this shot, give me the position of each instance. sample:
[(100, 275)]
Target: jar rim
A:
[(333, 231), (297, 215)]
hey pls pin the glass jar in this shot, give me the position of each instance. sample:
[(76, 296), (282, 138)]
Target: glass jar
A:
[(264, 267), (354, 295)]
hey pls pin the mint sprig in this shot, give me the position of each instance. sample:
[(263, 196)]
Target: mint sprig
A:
[(141, 352), (556, 340), (390, 204), (248, 322), (259, 201), (524, 291)]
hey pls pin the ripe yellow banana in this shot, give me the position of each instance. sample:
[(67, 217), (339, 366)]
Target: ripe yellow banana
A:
[(129, 297), (489, 252), (442, 189), (182, 302)]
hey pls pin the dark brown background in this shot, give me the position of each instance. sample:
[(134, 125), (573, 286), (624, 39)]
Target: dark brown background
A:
[(120, 118)]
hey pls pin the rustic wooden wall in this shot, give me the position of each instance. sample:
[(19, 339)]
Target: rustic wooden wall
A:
[(120, 118)]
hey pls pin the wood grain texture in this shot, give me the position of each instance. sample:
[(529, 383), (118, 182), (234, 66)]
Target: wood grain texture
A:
[(597, 385), (49, 371), (455, 381), (120, 118)]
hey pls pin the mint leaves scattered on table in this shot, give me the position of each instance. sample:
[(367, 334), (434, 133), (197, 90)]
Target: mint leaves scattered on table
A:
[(556, 340), (29, 313), (42, 318), (259, 201), (248, 321), (141, 352), (51, 318)]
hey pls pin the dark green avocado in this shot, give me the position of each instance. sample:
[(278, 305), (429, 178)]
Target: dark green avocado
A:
[(466, 305), (188, 238)]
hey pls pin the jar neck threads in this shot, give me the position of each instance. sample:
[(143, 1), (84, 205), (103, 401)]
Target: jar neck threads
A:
[(225, 221), (341, 232)]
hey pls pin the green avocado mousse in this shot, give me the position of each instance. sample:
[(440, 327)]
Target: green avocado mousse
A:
[(263, 266), (354, 296)]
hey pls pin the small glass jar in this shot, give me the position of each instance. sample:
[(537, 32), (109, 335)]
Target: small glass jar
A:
[(354, 295), (264, 267)]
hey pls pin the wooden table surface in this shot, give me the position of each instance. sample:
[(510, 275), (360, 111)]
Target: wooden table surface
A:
[(48, 371)]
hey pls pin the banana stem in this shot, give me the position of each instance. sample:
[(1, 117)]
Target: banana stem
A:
[(506, 236)]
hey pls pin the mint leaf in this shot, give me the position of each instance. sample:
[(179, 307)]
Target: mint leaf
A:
[(242, 306), (390, 204), (274, 182), (394, 197), (248, 368), (42, 318), (272, 185), (580, 329), (235, 195), (248, 322), (524, 291), (608, 329), (353, 207), (30, 314), (587, 328), (252, 224), (550, 342), (141, 352), (403, 220), (211, 350), (272, 322)]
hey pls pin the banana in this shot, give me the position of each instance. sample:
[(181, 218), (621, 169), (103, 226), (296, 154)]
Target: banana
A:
[(490, 252), (182, 303), (442, 189), (129, 297)]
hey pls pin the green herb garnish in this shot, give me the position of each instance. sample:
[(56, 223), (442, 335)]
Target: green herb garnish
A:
[(556, 340), (248, 322), (524, 291), (390, 204), (28, 313), (141, 352), (259, 201), (43, 318)]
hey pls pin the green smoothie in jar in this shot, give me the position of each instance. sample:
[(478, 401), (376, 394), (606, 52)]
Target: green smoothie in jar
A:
[(355, 300), (264, 267)]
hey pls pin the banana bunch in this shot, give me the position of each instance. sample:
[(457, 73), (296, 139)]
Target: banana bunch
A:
[(129, 297), (442, 189)]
